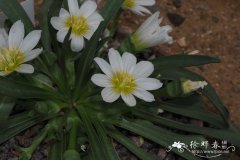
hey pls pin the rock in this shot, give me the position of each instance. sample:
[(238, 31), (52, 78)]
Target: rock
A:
[(170, 157), (175, 19), (147, 146), (196, 122), (177, 3), (124, 30), (182, 42), (139, 141), (161, 154), (195, 52), (215, 19)]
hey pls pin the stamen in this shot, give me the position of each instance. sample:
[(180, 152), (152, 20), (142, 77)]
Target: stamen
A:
[(128, 3), (78, 24), (123, 82), (10, 60)]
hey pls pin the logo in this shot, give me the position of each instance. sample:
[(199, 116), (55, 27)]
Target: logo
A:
[(203, 149)]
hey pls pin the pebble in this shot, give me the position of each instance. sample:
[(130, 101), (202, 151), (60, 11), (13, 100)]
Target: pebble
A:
[(138, 141), (175, 19), (177, 3), (170, 157), (161, 153), (182, 42), (196, 122)]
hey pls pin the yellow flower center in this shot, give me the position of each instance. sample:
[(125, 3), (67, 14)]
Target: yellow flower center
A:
[(129, 4), (78, 24), (123, 82), (10, 60)]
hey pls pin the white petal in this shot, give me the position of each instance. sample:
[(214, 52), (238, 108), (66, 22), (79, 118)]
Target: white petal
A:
[(105, 67), (149, 83), (30, 41), (101, 80), (143, 69), (3, 74), (148, 23), (141, 10), (77, 43), (87, 8), (3, 39), (145, 2), (95, 18), (57, 23), (129, 99), (16, 35), (25, 68), (73, 7), (144, 95), (129, 61), (109, 96), (90, 32), (61, 34), (115, 60), (64, 13), (32, 54)]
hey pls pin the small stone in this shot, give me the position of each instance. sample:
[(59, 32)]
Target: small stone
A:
[(177, 3), (133, 158), (170, 157), (175, 19), (195, 52), (182, 42), (124, 30), (161, 153), (215, 19), (196, 122), (139, 141)]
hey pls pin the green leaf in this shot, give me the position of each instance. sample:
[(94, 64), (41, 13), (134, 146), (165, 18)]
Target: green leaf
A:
[(84, 65), (230, 134), (94, 142), (22, 90), (140, 153), (159, 135), (14, 12), (44, 24), (58, 147), (183, 61), (71, 155), (191, 107), (181, 73), (104, 141), (19, 123), (6, 106)]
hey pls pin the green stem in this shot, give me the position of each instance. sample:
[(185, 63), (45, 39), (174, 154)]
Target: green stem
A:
[(27, 152), (73, 135)]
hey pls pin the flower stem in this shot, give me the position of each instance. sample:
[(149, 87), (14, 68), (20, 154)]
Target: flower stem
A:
[(27, 152), (73, 134)]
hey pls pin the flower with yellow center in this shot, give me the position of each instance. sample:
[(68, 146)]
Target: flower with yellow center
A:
[(83, 22), (126, 78), (136, 6), (15, 50)]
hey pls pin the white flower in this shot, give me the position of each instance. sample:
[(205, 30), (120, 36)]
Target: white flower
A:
[(191, 86), (83, 21), (126, 78), (15, 50), (137, 6), (150, 33)]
